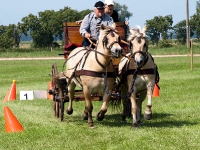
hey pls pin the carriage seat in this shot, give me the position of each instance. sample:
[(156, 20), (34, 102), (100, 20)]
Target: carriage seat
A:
[(68, 48)]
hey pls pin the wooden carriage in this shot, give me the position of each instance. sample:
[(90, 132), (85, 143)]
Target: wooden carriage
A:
[(73, 39)]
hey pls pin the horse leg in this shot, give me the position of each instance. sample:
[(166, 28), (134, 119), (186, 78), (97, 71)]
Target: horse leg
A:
[(103, 110), (134, 110), (140, 99), (71, 88), (88, 107), (85, 114), (148, 111), (126, 111)]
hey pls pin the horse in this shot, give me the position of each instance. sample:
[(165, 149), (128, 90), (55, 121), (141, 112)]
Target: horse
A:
[(138, 74), (93, 71)]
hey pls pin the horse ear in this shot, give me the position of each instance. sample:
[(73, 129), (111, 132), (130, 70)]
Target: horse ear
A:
[(114, 25), (102, 27), (144, 29), (132, 31)]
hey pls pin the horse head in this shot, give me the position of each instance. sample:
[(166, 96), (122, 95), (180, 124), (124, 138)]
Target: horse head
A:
[(109, 39), (139, 46)]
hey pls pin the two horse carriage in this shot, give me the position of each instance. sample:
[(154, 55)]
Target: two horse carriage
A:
[(114, 70)]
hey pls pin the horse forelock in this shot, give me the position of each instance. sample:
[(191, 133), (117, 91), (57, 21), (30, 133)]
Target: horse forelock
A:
[(107, 29), (136, 33)]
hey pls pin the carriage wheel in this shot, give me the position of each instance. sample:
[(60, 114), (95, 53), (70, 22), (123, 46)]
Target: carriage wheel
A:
[(61, 110), (61, 103), (55, 88), (57, 112)]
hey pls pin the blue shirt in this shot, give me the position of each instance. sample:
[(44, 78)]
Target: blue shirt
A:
[(91, 21)]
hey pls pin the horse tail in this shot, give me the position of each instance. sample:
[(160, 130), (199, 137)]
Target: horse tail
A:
[(115, 102)]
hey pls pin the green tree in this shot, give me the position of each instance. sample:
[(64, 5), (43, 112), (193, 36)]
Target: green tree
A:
[(9, 36), (180, 31), (17, 34), (195, 20), (123, 12), (159, 26), (47, 26), (83, 13), (39, 28)]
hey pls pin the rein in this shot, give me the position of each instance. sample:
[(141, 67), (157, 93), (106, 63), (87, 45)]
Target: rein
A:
[(105, 74), (104, 42), (132, 83)]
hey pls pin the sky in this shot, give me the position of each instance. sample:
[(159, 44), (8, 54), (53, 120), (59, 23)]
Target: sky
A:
[(12, 11)]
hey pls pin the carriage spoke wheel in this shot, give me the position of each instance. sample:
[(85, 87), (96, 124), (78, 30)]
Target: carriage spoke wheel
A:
[(61, 104), (55, 90)]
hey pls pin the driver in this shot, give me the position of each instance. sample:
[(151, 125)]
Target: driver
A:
[(91, 22)]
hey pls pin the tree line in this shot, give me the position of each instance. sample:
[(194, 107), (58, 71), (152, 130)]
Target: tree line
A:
[(47, 26)]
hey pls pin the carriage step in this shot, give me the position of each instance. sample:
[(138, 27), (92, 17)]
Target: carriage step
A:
[(66, 99)]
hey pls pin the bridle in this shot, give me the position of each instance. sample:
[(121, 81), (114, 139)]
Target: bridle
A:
[(105, 45), (105, 39), (144, 54)]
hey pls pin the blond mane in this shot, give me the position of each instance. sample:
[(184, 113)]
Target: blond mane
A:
[(136, 33)]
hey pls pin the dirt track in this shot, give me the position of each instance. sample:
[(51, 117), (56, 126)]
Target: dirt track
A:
[(61, 57)]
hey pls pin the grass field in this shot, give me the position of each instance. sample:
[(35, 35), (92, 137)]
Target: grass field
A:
[(41, 52), (175, 124)]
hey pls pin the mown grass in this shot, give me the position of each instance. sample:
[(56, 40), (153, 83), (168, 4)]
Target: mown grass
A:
[(175, 124), (30, 52), (46, 52)]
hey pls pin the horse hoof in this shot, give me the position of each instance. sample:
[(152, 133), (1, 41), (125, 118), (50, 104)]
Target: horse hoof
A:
[(123, 119), (139, 122), (134, 125), (91, 125), (100, 117), (69, 112), (85, 116), (148, 116)]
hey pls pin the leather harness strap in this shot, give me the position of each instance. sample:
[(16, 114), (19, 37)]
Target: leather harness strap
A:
[(141, 72), (94, 74)]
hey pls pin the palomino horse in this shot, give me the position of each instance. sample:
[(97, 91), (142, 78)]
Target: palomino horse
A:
[(138, 73), (93, 71)]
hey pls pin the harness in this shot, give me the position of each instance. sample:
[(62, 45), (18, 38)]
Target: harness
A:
[(105, 74)]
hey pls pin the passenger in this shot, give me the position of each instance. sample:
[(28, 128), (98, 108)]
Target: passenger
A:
[(109, 9), (91, 22)]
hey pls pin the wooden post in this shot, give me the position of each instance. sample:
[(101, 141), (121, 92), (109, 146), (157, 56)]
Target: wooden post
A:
[(65, 33), (187, 24), (191, 55)]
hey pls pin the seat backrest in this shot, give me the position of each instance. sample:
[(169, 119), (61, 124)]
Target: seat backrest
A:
[(72, 34)]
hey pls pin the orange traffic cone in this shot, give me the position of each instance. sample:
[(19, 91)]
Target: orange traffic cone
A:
[(49, 96), (156, 92), (11, 122), (11, 94)]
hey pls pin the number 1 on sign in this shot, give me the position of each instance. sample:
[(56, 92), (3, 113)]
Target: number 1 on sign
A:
[(26, 96)]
